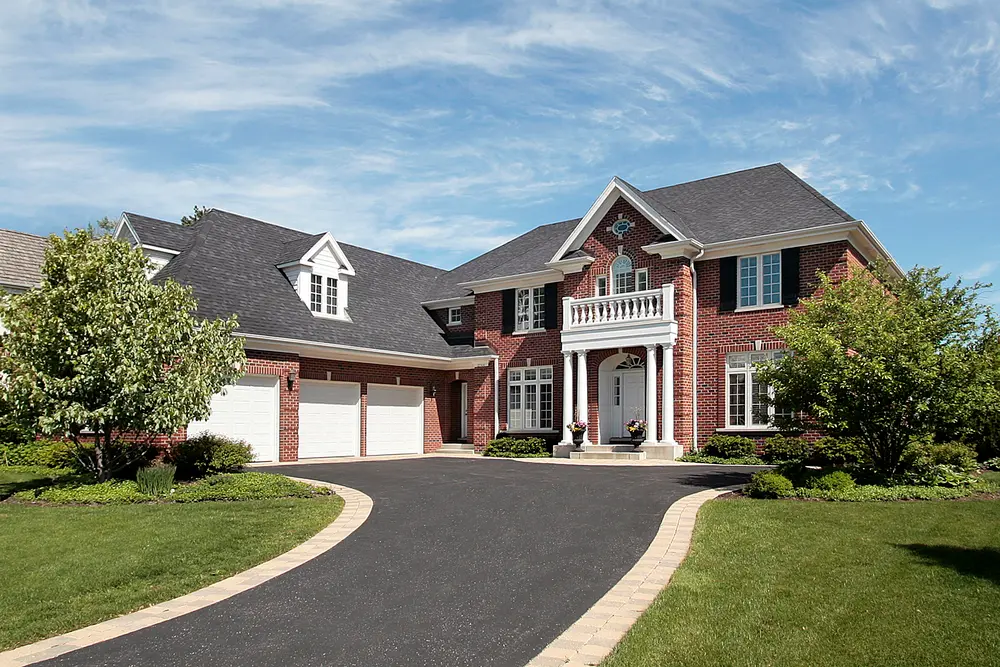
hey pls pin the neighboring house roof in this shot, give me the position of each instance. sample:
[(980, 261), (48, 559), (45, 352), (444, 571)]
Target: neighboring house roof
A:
[(742, 204), (231, 266), (160, 233), (21, 258)]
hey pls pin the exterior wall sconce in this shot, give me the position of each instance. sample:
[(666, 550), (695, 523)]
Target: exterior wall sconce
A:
[(291, 379), (434, 390)]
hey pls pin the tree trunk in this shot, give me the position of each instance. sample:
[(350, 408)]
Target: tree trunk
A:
[(99, 462)]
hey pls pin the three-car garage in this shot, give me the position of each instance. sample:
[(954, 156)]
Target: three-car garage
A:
[(329, 417)]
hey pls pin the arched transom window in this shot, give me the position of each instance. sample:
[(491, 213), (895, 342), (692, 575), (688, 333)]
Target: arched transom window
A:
[(622, 277)]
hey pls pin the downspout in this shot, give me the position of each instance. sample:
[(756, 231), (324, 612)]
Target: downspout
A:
[(694, 357), (496, 397)]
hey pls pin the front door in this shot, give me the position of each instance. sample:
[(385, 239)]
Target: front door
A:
[(628, 399), (465, 410)]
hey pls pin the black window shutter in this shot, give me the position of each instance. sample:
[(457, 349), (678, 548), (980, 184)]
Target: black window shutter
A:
[(727, 284), (790, 276), (551, 305), (507, 325)]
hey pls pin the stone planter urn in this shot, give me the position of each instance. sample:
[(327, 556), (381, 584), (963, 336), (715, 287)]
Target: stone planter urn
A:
[(577, 441)]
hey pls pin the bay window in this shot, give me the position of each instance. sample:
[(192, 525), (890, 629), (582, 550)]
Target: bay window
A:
[(529, 398)]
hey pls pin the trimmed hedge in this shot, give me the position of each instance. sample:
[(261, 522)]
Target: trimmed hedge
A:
[(730, 446), (207, 454), (838, 480), (785, 448), (238, 486), (868, 493), (511, 448), (697, 457), (768, 484)]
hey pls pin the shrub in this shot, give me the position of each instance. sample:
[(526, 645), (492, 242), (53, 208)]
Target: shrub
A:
[(836, 452), (730, 446), (207, 454), (992, 464), (869, 493), (838, 480), (156, 480), (768, 484), (104, 493), (698, 457), (46, 453), (955, 454), (784, 448), (509, 447), (929, 464)]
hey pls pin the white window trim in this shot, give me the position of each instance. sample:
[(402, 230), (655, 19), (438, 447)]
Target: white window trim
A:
[(748, 415), (644, 272), (340, 314), (537, 382), (597, 285), (760, 305), (452, 322), (532, 301)]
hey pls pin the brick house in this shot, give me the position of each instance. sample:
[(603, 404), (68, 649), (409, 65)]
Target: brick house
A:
[(358, 353)]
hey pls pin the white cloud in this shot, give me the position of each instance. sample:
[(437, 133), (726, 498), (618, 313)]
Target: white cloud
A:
[(984, 270)]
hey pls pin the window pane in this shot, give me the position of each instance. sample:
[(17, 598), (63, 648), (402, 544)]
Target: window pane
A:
[(602, 285), (538, 308), (530, 406), (514, 407), (515, 376), (616, 391), (622, 277), (530, 374), (772, 278), (316, 294), (331, 296), (523, 315), (748, 281), (736, 361), (545, 406), (641, 280), (737, 399), (454, 316), (544, 373), (758, 407)]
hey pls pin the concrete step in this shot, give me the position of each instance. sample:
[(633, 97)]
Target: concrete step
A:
[(614, 447), (608, 456), (457, 447)]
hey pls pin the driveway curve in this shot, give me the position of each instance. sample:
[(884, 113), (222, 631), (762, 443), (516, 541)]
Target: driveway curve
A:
[(462, 562)]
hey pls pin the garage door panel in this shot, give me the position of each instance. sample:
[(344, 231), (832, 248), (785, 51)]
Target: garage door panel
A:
[(395, 420), (246, 411), (329, 419)]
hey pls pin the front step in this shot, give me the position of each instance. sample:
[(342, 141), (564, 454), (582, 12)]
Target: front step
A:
[(457, 447), (606, 455), (613, 447)]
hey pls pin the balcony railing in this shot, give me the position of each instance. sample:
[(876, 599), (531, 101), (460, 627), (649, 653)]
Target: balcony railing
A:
[(648, 306)]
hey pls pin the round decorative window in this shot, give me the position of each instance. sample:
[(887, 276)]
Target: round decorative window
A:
[(621, 226)]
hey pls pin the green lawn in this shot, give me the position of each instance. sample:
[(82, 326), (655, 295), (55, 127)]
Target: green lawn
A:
[(811, 583), (20, 478), (67, 567)]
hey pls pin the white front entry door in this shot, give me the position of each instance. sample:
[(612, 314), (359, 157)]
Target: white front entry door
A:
[(395, 420), (246, 411), (329, 419), (628, 400)]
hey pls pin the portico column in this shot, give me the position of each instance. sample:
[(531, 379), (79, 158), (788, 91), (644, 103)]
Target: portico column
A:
[(650, 395), (581, 393), (567, 408), (667, 437)]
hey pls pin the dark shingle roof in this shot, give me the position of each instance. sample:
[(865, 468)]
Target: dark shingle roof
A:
[(230, 264), (292, 251), (161, 233), (21, 258), (742, 204)]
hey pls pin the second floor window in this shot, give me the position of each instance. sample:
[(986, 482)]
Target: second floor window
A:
[(760, 280), (622, 277), (331, 296), (316, 294), (530, 309)]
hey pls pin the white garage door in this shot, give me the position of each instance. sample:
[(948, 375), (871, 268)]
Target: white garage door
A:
[(329, 419), (395, 422), (247, 411)]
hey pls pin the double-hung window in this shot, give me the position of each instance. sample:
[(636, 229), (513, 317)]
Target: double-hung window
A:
[(530, 309), (760, 280), (529, 398), (748, 402)]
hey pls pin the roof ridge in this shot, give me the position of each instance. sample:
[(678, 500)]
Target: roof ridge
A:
[(816, 193), (18, 231), (506, 243)]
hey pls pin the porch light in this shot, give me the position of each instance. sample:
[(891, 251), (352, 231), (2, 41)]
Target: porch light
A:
[(291, 379), (434, 390)]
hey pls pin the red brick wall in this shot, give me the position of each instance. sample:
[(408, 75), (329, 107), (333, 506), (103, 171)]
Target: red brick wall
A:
[(468, 324)]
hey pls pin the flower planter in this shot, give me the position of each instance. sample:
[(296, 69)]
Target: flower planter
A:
[(577, 440)]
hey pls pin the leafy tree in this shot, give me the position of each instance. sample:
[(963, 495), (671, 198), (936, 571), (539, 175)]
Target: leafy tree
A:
[(199, 213), (886, 360), (99, 350)]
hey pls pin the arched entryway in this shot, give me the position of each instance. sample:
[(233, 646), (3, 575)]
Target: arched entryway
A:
[(621, 394)]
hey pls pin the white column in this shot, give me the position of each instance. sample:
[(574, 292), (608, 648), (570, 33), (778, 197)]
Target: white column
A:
[(567, 408), (650, 395), (667, 435), (581, 393)]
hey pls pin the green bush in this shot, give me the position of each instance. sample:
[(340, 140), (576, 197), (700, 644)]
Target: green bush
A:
[(46, 453), (955, 454), (156, 480), (698, 457), (992, 464), (11, 432), (234, 486), (838, 480), (943, 464), (836, 452), (768, 484), (785, 448), (887, 493), (510, 447), (207, 454), (730, 446)]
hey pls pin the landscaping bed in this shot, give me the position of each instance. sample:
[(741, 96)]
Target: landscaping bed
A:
[(813, 583)]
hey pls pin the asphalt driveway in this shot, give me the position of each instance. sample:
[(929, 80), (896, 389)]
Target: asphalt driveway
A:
[(462, 562)]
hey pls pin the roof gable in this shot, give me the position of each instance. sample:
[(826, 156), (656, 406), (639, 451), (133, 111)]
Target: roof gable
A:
[(308, 249)]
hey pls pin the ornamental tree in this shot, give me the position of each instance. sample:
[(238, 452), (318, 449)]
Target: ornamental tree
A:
[(98, 351), (886, 360)]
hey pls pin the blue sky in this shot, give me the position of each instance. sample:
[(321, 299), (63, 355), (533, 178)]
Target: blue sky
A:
[(437, 130)]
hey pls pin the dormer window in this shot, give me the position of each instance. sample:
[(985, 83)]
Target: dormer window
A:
[(323, 294), (331, 296), (320, 272), (316, 294)]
